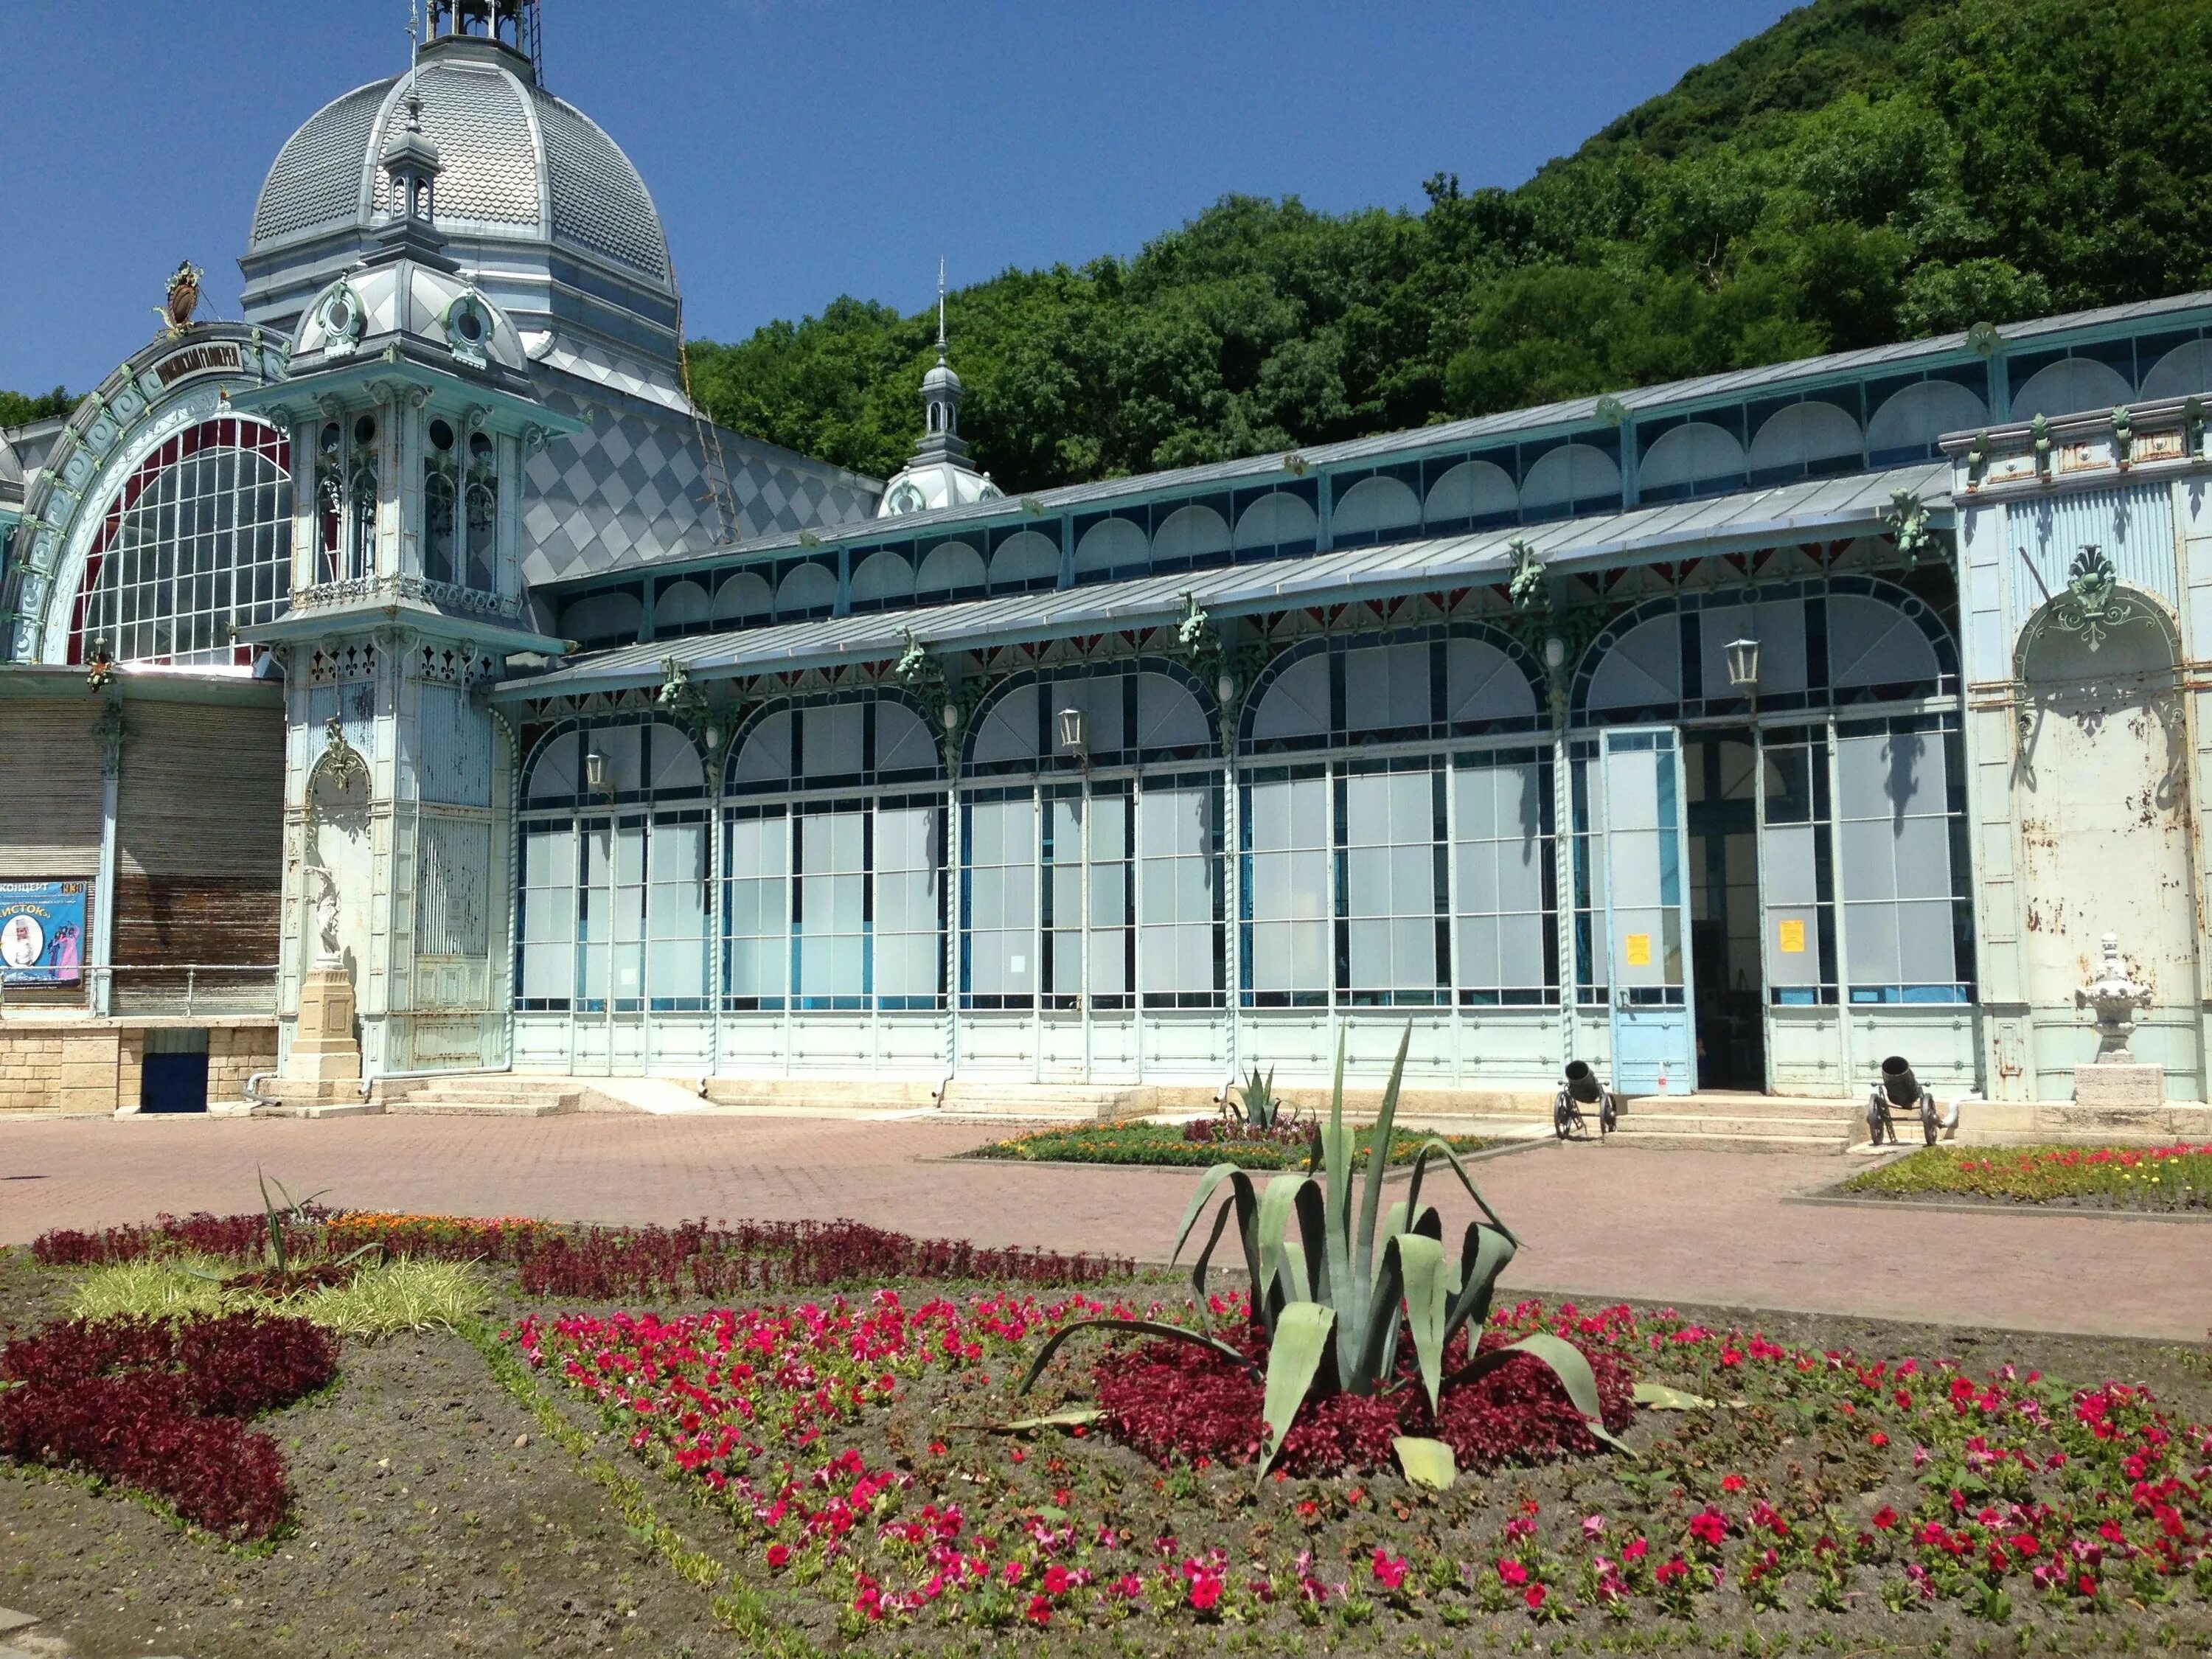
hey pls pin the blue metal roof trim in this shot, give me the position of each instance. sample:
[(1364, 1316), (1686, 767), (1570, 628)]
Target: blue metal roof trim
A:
[(1543, 421), (1716, 524)]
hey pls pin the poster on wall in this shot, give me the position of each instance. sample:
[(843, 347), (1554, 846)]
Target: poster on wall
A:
[(41, 932)]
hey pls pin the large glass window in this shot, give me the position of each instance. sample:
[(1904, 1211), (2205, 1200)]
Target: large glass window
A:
[(1502, 878), (755, 916), (908, 938), (830, 906), (998, 835), (1797, 866), (548, 917), (1901, 824), (197, 541), (1180, 913), (1392, 944), (1287, 888)]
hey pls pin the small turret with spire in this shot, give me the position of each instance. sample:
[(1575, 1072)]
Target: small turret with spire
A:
[(410, 165), (938, 474)]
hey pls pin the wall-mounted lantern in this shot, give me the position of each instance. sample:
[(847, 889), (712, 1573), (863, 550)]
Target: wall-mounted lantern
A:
[(1075, 738), (595, 772), (1743, 665)]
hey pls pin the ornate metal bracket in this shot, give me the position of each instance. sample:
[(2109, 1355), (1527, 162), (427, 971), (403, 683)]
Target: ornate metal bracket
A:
[(340, 761), (2092, 604), (1906, 515)]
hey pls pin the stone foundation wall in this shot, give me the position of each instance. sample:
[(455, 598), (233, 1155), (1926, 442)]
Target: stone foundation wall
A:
[(95, 1068), (49, 1069)]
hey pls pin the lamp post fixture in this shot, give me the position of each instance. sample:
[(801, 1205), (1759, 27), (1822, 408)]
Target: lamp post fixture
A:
[(1743, 669), (1073, 738), (595, 772)]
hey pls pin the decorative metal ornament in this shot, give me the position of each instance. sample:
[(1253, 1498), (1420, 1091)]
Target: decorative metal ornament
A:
[(2092, 604), (340, 763), (2115, 995), (1526, 587), (183, 299), (1906, 515), (1198, 640)]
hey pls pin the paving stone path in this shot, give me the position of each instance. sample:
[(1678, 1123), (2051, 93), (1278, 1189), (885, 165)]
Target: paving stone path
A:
[(1617, 1221)]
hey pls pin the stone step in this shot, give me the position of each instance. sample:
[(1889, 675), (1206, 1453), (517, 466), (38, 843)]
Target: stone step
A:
[(1779, 1108), (845, 1093), (1642, 1124), (432, 1101), (1043, 1102), (1731, 1140)]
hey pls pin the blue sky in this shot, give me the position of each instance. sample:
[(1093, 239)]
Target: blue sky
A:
[(803, 148)]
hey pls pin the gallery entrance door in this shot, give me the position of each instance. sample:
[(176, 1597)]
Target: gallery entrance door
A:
[(1721, 787)]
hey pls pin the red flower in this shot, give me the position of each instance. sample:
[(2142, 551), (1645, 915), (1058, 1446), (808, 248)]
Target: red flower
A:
[(1056, 1580), (1040, 1611), (778, 1556), (1671, 1572), (1513, 1572), (1709, 1525), (1636, 1551), (1733, 1483), (1535, 1597), (1390, 1570), (1877, 1438), (1885, 1518), (1206, 1591)]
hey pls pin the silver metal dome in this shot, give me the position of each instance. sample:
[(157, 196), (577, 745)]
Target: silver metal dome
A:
[(519, 164)]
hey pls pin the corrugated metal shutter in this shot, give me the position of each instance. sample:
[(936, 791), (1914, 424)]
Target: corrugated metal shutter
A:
[(203, 792), (200, 857), (50, 760)]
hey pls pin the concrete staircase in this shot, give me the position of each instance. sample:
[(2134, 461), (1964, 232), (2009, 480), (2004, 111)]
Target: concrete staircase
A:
[(1744, 1123), (820, 1096), (482, 1095), (1013, 1102)]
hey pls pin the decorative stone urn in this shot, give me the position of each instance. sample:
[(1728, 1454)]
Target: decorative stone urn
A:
[(2114, 1079)]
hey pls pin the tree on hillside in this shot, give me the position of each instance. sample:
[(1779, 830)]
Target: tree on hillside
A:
[(17, 410), (1863, 172)]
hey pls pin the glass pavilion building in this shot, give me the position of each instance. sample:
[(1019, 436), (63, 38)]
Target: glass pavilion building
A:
[(1730, 733)]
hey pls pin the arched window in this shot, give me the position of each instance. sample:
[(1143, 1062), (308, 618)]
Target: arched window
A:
[(612, 873), (1387, 859), (437, 523), (1094, 870), (1822, 645), (482, 515), (834, 845), (196, 542)]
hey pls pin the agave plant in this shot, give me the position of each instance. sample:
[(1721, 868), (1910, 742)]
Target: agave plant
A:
[(1333, 1302), (1255, 1104)]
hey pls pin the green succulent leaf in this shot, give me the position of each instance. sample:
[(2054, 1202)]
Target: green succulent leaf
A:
[(1074, 1417), (1567, 1364), (1427, 1291), (1143, 1327), (1434, 1147), (1293, 1359), (1483, 1257), (1658, 1397), (1427, 1463)]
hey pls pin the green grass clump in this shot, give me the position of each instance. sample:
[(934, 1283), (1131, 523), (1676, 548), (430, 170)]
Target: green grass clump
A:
[(1163, 1144), (171, 1287), (405, 1295), (2176, 1177)]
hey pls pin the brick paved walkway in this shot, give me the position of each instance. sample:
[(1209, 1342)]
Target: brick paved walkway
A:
[(1616, 1221)]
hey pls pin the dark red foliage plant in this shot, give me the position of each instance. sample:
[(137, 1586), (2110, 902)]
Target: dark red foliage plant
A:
[(160, 1405), (1170, 1400)]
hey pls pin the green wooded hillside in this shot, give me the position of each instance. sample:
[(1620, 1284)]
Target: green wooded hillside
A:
[(1862, 171)]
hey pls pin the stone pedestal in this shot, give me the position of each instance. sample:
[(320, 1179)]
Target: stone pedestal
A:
[(324, 1046), (2119, 1085)]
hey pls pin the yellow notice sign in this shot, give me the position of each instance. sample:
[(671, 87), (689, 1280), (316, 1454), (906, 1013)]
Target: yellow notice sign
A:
[(1639, 949), (1793, 937)]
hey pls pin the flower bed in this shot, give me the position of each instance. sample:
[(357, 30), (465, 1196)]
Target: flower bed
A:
[(159, 1405), (2176, 1177), (1172, 1145), (846, 1443), (598, 1263)]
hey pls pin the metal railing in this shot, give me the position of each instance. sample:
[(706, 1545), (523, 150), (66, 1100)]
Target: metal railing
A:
[(174, 989)]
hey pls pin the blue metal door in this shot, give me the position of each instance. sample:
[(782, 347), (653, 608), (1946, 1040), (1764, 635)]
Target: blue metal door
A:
[(1647, 912)]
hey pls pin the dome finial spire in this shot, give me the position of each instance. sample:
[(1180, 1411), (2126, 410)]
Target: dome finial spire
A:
[(940, 308)]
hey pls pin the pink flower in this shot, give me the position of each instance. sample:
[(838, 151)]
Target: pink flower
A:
[(1390, 1570), (1709, 1525), (1206, 1591), (1636, 1551), (1592, 1528), (1513, 1572)]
